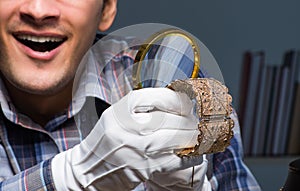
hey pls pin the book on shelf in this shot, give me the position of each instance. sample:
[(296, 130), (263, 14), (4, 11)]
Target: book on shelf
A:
[(250, 86), (262, 110), (244, 84), (284, 121), (279, 125), (272, 111), (294, 140)]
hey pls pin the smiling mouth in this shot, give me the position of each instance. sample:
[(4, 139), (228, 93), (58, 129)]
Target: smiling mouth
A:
[(40, 43)]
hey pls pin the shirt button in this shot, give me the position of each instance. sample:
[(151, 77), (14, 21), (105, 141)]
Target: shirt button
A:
[(2, 178)]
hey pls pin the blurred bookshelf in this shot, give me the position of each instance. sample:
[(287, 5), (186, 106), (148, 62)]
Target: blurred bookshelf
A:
[(269, 115), (269, 105)]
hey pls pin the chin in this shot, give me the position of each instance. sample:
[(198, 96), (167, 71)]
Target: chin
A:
[(45, 89)]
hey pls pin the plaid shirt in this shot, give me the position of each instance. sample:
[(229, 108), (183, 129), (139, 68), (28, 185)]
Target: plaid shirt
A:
[(26, 148)]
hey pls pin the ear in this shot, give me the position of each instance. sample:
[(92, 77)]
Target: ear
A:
[(108, 14)]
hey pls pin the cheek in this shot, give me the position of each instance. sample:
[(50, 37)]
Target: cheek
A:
[(84, 23), (85, 15), (84, 30), (7, 7), (8, 12)]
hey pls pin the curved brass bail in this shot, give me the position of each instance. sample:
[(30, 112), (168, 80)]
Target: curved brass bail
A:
[(142, 52)]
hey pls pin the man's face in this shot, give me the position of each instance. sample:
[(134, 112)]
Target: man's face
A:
[(43, 41)]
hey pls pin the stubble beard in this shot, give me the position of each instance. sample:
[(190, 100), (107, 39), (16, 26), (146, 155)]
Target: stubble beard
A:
[(42, 87)]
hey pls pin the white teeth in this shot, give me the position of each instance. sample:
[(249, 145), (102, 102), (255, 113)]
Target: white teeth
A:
[(39, 38)]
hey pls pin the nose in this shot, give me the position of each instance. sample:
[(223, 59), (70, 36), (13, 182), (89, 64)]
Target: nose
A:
[(39, 11)]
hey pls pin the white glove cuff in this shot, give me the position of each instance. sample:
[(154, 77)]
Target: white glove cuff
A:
[(62, 173)]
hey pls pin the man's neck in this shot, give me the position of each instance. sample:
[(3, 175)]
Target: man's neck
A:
[(40, 108)]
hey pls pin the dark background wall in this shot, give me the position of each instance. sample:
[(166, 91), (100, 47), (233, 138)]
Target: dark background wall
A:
[(228, 28)]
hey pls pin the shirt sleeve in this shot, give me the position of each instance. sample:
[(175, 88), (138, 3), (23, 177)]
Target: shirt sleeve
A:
[(38, 177), (229, 172)]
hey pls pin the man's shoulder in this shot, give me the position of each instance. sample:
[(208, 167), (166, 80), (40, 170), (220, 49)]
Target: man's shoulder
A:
[(115, 47)]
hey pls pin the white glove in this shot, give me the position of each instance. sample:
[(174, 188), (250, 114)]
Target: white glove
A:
[(181, 180), (132, 140)]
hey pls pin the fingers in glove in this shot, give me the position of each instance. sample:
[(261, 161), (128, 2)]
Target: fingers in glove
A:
[(159, 99)]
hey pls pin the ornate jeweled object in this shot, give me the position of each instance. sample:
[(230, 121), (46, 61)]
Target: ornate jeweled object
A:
[(213, 105)]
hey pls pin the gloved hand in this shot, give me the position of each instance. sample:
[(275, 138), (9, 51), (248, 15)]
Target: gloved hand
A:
[(181, 180), (134, 139)]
